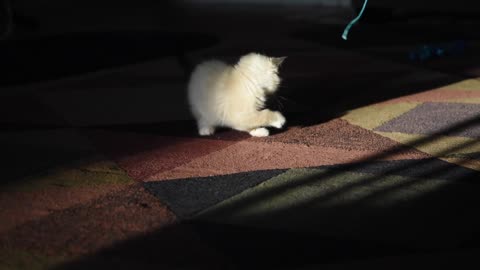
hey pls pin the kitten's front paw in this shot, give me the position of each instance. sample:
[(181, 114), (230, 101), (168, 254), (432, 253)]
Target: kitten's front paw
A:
[(206, 131), (278, 121), (259, 132)]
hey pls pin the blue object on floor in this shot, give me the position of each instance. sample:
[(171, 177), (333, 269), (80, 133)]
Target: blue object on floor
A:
[(427, 52)]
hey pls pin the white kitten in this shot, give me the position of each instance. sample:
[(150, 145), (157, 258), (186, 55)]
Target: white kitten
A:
[(230, 96)]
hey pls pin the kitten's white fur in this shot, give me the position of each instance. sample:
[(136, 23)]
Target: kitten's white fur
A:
[(230, 96)]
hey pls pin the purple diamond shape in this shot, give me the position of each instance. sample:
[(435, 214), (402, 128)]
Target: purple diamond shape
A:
[(454, 119)]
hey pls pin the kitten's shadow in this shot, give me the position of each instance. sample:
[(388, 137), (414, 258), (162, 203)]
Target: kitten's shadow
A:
[(298, 112)]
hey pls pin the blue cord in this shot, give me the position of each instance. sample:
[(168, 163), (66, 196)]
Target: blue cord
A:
[(345, 32)]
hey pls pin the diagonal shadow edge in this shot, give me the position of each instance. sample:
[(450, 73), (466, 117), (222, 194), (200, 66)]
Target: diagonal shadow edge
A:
[(349, 167)]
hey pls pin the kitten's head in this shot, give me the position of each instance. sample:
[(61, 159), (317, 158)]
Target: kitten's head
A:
[(263, 69)]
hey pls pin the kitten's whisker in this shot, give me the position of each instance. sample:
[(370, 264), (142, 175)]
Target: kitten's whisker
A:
[(279, 103)]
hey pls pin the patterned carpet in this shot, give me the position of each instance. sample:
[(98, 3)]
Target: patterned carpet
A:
[(387, 175)]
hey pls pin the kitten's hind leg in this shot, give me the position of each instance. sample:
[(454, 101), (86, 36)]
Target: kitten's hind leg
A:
[(205, 128), (206, 131)]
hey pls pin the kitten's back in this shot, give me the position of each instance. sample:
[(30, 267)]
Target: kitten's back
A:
[(205, 82), (205, 74)]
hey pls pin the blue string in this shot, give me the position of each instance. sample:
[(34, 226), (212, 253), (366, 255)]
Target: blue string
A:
[(345, 32)]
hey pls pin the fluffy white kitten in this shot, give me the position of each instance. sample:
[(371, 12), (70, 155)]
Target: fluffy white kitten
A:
[(231, 96)]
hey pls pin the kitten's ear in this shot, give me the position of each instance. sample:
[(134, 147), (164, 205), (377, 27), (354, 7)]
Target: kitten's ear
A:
[(278, 60)]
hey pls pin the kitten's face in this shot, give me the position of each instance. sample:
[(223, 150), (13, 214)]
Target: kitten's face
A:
[(265, 70), (271, 79)]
